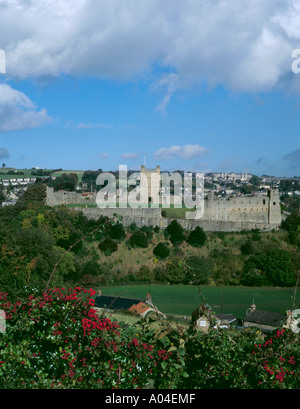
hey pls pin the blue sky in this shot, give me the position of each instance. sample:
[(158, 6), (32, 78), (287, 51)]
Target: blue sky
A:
[(199, 86)]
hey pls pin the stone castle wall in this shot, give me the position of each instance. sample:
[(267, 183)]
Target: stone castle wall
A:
[(152, 217), (64, 197), (230, 214), (246, 209)]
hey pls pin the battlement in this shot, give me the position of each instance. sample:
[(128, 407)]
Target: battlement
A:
[(147, 170)]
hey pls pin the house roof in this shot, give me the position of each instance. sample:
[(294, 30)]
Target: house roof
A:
[(226, 318), (115, 303), (265, 317), (139, 308)]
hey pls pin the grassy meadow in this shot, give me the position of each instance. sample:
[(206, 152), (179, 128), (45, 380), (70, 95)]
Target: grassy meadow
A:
[(184, 299)]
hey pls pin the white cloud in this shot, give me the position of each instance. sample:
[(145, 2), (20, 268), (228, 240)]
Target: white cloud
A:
[(103, 155), (170, 82), (129, 155), (244, 45), (83, 125), (184, 152), (17, 111)]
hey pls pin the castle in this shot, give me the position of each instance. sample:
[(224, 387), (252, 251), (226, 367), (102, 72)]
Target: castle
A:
[(220, 214)]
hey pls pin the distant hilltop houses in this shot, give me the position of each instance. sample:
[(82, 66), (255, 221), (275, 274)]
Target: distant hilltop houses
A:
[(16, 182)]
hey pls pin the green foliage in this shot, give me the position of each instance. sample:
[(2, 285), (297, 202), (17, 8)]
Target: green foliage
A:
[(108, 246), (148, 230), (56, 340), (177, 271), (292, 225), (175, 230), (225, 266), (67, 181), (133, 227), (139, 239), (255, 180), (35, 196), (246, 189), (289, 185), (145, 274), (199, 269), (197, 237), (161, 251), (247, 248), (116, 231), (237, 360), (36, 237), (89, 178), (273, 267)]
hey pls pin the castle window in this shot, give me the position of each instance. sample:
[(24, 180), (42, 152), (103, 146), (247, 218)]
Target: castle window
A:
[(264, 201), (274, 203)]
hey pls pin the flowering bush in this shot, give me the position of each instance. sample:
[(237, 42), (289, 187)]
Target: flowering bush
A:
[(56, 339), (244, 360), (49, 338)]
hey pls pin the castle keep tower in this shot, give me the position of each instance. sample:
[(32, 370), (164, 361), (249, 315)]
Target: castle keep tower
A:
[(274, 207), (150, 185)]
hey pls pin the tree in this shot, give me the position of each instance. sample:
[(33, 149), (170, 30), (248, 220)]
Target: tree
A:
[(2, 197), (116, 231), (177, 271), (246, 189), (15, 270), (292, 222), (199, 269), (247, 248), (161, 251), (108, 246), (175, 230), (148, 230), (65, 182), (292, 226), (38, 244), (35, 194), (145, 274), (89, 178), (255, 180), (197, 237), (274, 267), (66, 267), (139, 239)]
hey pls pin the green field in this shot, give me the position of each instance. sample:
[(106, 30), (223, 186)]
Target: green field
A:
[(79, 173), (184, 299), (28, 174)]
